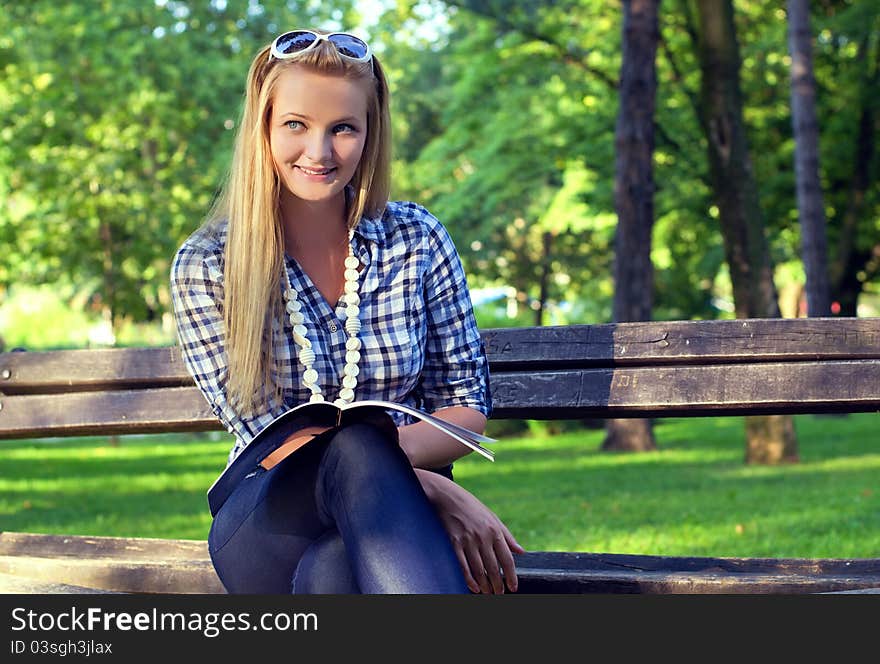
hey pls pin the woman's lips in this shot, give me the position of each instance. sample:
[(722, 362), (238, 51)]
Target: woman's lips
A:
[(315, 172)]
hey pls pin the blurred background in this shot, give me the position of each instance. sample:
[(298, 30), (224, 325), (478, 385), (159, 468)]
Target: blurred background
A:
[(118, 119)]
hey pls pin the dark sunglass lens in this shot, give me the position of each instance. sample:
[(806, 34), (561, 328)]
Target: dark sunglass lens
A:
[(294, 41), (349, 46)]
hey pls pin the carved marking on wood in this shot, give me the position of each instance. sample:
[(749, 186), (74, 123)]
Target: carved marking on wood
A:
[(492, 346), (506, 391), (622, 380), (846, 338)]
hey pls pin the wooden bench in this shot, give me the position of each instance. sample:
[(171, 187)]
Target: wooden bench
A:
[(650, 369)]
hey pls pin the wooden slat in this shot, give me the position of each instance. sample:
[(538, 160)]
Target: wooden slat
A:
[(116, 564), (172, 409), (537, 581), (508, 349), (181, 577), (11, 584), (31, 372), (117, 575), (100, 547), (683, 342), (119, 564), (800, 387)]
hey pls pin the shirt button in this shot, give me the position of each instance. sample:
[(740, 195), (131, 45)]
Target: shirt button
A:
[(333, 327)]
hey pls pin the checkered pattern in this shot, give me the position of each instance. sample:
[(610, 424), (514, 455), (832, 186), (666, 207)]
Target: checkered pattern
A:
[(421, 346)]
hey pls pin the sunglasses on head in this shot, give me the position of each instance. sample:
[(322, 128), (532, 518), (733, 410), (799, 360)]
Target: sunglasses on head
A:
[(291, 44)]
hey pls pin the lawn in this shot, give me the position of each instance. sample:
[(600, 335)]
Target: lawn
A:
[(694, 496)]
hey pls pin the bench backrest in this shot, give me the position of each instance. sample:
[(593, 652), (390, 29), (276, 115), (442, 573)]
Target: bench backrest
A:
[(647, 369)]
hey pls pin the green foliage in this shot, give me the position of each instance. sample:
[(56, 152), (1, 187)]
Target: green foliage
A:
[(847, 62), (119, 117), (528, 103), (515, 158), (118, 134), (694, 497), (37, 318)]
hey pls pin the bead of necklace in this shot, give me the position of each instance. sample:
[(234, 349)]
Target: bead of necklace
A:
[(307, 356)]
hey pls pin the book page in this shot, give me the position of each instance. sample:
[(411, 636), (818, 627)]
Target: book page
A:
[(470, 438)]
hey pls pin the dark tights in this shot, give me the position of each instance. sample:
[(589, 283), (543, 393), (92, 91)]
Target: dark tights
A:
[(344, 514)]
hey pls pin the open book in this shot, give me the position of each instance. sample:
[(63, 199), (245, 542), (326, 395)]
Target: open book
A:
[(279, 438)]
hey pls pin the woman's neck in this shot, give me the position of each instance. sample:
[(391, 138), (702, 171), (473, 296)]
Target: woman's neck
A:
[(313, 227), (316, 236)]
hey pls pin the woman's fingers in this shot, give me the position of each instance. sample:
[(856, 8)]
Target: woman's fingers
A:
[(477, 567), (469, 579), (515, 546), (492, 567), (489, 564), (507, 563)]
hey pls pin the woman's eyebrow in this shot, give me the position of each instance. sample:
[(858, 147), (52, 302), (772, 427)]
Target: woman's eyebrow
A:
[(349, 118)]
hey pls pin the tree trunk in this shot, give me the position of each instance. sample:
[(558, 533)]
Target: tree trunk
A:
[(108, 294), (543, 287), (848, 261), (634, 194), (767, 440), (805, 127), (736, 195)]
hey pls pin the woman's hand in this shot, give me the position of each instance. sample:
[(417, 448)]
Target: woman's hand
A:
[(482, 542)]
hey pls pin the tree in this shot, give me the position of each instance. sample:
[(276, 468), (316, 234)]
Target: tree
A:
[(806, 135), (847, 64), (120, 118), (521, 169), (634, 193), (769, 439)]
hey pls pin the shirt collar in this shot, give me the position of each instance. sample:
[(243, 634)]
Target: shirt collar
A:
[(369, 228), (372, 228)]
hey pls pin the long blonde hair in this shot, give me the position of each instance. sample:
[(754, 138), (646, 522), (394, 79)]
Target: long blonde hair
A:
[(249, 203)]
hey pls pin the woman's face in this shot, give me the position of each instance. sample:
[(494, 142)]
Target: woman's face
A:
[(317, 133)]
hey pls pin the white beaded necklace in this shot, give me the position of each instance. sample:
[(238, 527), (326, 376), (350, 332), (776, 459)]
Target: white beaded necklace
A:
[(352, 326)]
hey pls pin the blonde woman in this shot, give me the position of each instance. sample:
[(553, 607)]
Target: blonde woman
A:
[(306, 284)]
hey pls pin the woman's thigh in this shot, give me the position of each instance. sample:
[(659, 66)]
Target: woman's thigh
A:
[(264, 527)]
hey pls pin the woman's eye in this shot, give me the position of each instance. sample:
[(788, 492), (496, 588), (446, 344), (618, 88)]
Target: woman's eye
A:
[(293, 124), (344, 129)]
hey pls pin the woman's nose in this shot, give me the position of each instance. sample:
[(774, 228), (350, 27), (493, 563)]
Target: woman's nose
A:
[(319, 147)]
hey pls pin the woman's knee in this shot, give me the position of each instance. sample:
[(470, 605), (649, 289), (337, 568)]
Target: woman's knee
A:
[(361, 447), (324, 568), (260, 532)]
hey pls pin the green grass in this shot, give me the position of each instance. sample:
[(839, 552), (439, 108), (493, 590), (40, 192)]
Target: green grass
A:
[(694, 496)]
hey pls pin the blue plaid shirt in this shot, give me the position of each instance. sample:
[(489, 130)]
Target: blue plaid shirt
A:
[(421, 345)]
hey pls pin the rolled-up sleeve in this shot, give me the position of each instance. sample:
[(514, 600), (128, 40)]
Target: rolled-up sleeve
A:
[(197, 297), (456, 370)]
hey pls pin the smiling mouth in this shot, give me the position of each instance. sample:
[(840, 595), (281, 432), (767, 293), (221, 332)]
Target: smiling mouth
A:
[(315, 171)]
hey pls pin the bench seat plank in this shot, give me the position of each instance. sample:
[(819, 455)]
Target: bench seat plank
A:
[(117, 564), (148, 565), (683, 342), (508, 349), (42, 372), (11, 584), (668, 391), (172, 409), (798, 387)]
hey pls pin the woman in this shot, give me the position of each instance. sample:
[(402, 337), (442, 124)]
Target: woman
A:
[(305, 283)]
